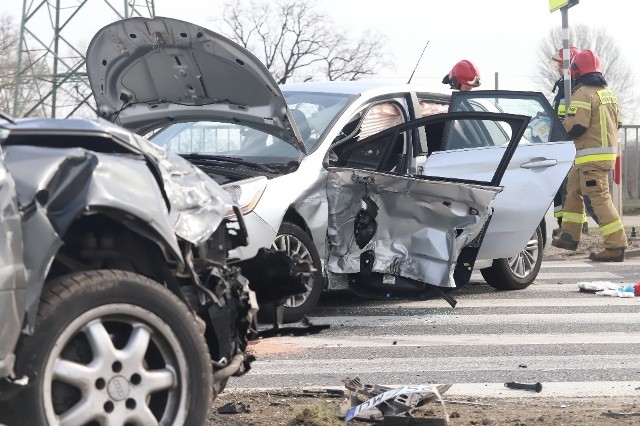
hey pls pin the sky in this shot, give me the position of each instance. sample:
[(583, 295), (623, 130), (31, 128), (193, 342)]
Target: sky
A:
[(499, 36)]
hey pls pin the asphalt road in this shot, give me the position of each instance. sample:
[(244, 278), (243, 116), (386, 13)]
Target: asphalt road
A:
[(575, 344)]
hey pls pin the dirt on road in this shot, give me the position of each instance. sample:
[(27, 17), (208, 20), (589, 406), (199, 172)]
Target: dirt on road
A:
[(266, 409)]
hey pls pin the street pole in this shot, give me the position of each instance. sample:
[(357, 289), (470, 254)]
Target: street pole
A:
[(566, 58)]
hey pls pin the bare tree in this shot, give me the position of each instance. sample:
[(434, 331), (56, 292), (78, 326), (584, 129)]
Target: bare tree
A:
[(8, 58), (295, 41), (615, 70), (31, 91)]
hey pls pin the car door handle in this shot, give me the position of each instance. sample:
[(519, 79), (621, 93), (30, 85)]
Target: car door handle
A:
[(539, 163)]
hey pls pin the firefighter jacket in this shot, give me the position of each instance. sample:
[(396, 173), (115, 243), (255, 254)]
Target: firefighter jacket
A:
[(596, 109)]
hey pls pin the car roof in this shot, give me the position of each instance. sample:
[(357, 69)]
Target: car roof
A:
[(360, 87)]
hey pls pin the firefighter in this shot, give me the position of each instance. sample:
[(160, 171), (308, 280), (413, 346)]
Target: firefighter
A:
[(559, 107), (592, 121), (464, 76)]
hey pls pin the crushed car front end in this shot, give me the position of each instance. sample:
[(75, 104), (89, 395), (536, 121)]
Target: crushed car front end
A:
[(104, 211)]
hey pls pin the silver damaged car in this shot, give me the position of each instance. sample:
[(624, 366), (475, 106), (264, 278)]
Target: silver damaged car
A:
[(387, 190)]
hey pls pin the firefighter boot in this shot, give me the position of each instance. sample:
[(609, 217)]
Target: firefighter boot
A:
[(564, 241), (556, 232), (608, 255), (585, 228)]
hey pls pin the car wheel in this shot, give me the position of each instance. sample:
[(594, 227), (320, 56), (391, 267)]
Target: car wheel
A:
[(517, 272), (112, 347), (297, 244)]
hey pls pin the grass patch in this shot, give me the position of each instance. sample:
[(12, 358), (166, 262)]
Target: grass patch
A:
[(315, 415)]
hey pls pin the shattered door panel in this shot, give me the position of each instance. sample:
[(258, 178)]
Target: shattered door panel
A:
[(422, 225)]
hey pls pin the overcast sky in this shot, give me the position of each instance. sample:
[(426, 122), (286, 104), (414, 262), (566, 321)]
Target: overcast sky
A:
[(500, 36)]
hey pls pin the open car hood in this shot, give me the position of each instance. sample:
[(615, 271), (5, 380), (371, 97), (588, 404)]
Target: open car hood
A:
[(147, 73)]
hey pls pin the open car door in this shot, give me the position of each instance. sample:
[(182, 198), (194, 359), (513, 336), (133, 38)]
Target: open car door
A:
[(385, 221), (539, 165)]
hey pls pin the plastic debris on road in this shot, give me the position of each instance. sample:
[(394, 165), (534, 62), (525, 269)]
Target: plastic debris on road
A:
[(606, 288), (374, 402)]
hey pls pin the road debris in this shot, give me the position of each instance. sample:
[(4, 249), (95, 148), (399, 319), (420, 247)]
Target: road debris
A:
[(525, 386), (376, 402), (234, 407), (607, 288)]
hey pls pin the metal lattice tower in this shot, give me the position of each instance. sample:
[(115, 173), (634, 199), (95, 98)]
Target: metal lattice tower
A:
[(51, 78)]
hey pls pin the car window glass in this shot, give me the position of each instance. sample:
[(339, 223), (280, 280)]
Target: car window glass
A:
[(541, 126), (313, 112), (478, 137), (384, 153), (215, 138)]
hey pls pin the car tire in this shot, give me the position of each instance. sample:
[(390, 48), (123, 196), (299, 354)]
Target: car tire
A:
[(293, 240), (113, 347), (518, 272)]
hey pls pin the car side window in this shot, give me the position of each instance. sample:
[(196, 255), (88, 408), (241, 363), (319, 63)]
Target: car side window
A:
[(543, 127)]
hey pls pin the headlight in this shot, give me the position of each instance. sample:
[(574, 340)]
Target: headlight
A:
[(247, 194)]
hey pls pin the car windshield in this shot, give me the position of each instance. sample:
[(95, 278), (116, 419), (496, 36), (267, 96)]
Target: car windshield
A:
[(312, 112)]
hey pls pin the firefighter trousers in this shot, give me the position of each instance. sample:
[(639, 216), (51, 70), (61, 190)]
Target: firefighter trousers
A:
[(592, 180)]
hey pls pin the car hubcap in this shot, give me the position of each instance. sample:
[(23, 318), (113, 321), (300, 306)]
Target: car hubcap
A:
[(296, 250), (523, 263), (116, 364)]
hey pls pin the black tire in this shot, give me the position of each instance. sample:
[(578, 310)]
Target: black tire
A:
[(518, 272), (113, 344), (292, 239)]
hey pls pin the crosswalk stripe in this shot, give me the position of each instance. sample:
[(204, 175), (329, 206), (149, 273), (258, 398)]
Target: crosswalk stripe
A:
[(458, 340), (578, 276), (549, 390), (498, 390), (564, 264), (464, 302), (594, 318), (427, 365)]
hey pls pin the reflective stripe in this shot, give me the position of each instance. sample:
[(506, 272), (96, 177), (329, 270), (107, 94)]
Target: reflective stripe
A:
[(573, 217), (611, 228), (589, 155), (558, 213), (603, 128), (580, 104), (584, 218), (595, 157)]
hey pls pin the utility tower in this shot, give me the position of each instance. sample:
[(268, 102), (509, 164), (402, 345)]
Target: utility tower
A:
[(51, 77)]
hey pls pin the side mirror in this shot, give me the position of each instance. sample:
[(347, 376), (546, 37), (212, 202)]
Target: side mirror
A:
[(331, 160)]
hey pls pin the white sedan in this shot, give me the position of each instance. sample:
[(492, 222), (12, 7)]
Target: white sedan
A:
[(388, 190)]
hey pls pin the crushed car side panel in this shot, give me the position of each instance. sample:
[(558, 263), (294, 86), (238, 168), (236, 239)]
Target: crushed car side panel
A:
[(420, 226), (12, 271)]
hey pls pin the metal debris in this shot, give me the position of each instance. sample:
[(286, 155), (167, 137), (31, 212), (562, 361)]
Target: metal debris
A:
[(525, 386), (376, 402), (234, 407)]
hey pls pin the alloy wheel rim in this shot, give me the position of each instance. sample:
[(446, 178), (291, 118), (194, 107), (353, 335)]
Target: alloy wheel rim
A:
[(295, 248), (116, 364), (523, 263)]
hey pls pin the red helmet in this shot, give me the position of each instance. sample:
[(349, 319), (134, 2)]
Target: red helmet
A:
[(558, 57), (583, 63), (463, 76)]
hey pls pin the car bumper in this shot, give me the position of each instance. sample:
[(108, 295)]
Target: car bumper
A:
[(260, 235)]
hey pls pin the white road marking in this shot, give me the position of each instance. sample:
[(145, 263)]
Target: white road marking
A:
[(448, 320), (458, 340), (427, 365), (596, 300)]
